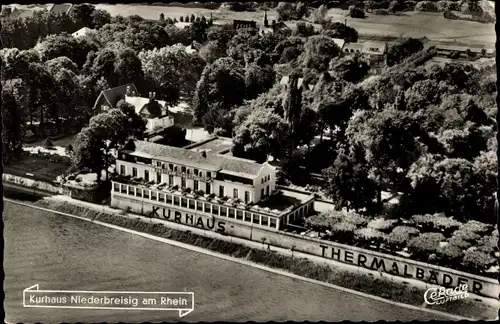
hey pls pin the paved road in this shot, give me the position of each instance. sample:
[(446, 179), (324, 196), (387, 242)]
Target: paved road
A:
[(68, 254)]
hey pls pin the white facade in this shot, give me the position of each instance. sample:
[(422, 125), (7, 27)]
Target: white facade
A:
[(208, 178), (154, 123)]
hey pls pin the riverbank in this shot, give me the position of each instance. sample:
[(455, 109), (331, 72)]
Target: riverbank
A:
[(302, 267)]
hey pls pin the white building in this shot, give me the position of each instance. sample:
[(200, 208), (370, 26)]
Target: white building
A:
[(82, 32), (202, 181)]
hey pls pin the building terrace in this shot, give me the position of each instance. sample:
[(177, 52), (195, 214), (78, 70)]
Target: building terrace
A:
[(279, 203)]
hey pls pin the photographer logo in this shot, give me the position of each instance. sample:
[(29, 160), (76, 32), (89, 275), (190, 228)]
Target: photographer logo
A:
[(441, 295)]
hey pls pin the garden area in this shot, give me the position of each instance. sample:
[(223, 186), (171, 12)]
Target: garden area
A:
[(435, 239)]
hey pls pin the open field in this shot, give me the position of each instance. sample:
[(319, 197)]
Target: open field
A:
[(408, 24), (39, 166), (61, 253)]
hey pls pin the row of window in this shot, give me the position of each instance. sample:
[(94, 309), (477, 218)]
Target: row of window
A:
[(183, 169), (196, 186), (196, 205)]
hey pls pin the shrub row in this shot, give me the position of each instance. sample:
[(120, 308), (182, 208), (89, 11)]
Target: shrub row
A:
[(428, 238)]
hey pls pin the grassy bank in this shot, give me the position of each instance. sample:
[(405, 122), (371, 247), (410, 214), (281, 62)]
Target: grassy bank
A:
[(302, 267)]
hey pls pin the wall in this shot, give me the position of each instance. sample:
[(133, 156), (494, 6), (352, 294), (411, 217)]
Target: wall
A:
[(365, 259), (31, 183), (163, 122)]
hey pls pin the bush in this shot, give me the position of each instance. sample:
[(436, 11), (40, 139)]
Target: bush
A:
[(450, 254), (355, 219), (467, 236), (426, 6), (476, 227), (355, 12), (424, 221), (343, 232), (446, 224), (400, 235), (321, 222), (488, 244), (477, 261), (384, 225), (181, 19), (459, 242), (425, 244), (369, 235)]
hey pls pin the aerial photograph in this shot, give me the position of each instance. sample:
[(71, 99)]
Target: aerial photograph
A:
[(250, 161)]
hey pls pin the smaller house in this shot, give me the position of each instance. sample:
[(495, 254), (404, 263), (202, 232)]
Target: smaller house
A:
[(61, 8), (82, 32), (447, 50), (374, 50), (154, 111), (108, 99)]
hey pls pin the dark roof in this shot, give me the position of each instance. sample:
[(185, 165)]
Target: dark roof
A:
[(154, 109), (112, 96), (61, 8), (212, 161)]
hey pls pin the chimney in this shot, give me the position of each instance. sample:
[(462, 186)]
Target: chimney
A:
[(266, 23), (128, 92), (150, 97)]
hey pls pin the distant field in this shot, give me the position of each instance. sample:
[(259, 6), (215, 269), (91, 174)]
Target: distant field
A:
[(409, 24)]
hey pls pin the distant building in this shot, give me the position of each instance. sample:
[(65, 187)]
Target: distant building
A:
[(352, 48), (449, 50), (154, 111), (61, 8), (82, 32), (339, 42), (237, 24), (108, 99), (374, 51)]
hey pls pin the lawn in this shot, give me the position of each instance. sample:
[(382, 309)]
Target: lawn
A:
[(408, 24), (40, 166)]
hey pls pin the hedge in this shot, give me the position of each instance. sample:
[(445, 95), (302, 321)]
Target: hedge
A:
[(400, 235), (476, 227), (343, 232), (369, 236), (384, 225), (478, 261), (425, 244)]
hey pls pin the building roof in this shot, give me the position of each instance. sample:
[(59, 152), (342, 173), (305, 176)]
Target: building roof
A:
[(339, 42), (61, 8), (352, 47), (211, 161), (112, 96), (82, 31), (140, 103), (374, 48)]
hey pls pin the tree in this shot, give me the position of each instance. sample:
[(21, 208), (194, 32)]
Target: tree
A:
[(162, 16), (318, 51), (134, 123), (61, 62), (128, 67), (172, 70), (193, 18), (100, 18), (403, 49), (258, 79), (340, 30), (212, 51), (222, 82), (304, 30), (319, 14), (88, 152), (64, 45), (451, 186), (263, 133), (390, 138), (348, 181), (355, 12), (82, 15), (13, 121), (349, 68)]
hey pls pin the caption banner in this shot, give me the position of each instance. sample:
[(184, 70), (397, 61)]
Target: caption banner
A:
[(183, 302)]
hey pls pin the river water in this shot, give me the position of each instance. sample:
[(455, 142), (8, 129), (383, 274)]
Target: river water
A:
[(60, 253)]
